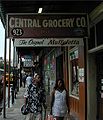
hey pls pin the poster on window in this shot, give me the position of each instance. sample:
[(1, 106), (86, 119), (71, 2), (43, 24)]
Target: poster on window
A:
[(81, 75)]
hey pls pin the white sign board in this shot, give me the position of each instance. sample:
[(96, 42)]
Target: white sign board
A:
[(33, 42)]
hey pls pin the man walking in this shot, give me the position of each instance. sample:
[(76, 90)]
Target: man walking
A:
[(29, 80), (24, 80)]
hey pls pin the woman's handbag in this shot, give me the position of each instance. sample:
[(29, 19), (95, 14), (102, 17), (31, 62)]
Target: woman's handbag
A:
[(50, 117), (24, 109)]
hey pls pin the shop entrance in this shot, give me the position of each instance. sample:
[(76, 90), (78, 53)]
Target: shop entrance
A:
[(99, 77), (59, 67)]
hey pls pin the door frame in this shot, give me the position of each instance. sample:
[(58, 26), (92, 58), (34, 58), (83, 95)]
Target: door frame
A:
[(91, 87)]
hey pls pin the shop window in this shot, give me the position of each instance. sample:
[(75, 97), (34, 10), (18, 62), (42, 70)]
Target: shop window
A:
[(74, 82), (59, 67), (50, 72)]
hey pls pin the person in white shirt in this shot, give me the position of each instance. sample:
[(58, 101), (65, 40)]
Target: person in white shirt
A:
[(59, 101), (29, 80)]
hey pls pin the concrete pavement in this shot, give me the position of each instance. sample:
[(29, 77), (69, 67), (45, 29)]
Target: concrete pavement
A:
[(14, 113)]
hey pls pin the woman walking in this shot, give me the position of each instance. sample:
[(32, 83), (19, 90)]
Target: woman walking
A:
[(59, 102), (36, 97)]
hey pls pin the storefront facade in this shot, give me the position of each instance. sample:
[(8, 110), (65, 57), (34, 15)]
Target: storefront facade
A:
[(95, 66), (67, 60)]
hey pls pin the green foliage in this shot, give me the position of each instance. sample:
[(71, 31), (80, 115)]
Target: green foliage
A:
[(2, 67)]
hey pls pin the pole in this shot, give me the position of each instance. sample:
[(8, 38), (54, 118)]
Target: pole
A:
[(4, 86), (20, 72), (9, 73), (14, 74)]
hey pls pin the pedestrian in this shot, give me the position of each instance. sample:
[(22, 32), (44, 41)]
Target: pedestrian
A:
[(35, 97), (59, 100), (29, 79), (24, 80)]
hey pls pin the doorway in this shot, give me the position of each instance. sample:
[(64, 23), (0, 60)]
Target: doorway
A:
[(59, 67), (99, 87)]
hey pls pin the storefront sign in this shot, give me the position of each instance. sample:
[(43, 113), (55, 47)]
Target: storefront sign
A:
[(28, 63), (48, 42), (46, 25)]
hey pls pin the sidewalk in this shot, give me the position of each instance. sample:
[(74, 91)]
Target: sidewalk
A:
[(14, 113), (72, 115)]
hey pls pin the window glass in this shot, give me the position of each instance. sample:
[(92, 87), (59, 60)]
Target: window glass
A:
[(99, 33), (74, 84)]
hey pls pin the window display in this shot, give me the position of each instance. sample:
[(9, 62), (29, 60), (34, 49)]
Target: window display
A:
[(74, 85)]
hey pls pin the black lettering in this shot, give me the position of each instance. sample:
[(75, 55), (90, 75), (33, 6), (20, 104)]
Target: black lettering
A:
[(22, 42)]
